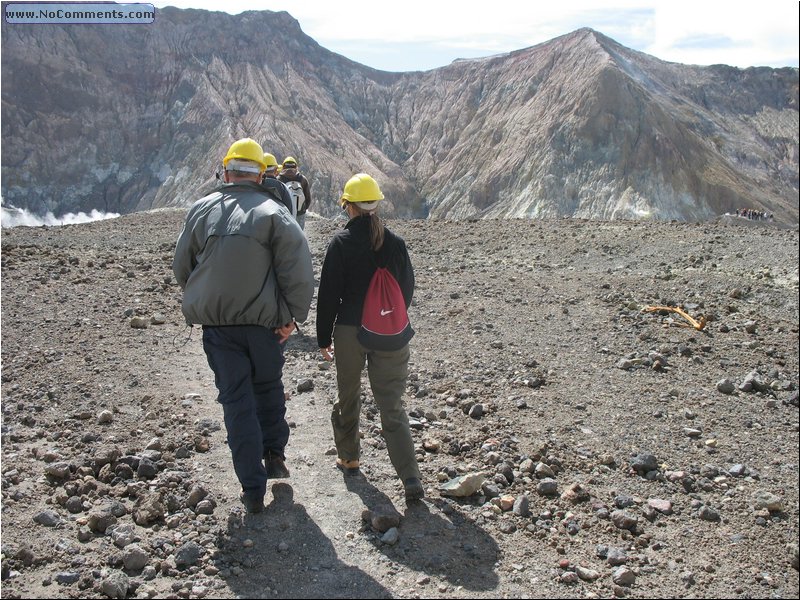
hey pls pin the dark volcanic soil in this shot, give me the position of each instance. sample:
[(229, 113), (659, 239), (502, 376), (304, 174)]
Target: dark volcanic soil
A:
[(623, 453)]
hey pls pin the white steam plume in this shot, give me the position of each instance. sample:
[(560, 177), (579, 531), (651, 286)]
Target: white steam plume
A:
[(15, 217)]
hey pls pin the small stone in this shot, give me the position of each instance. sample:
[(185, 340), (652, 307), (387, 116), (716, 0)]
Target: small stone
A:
[(105, 416), (140, 323), (547, 487), (100, 520), (522, 506), (188, 554), (569, 577), (644, 463), (623, 576), (624, 520), (305, 385), (507, 526), (463, 486), (48, 518), (623, 501), (116, 585), (726, 386), (763, 499), (384, 517), (738, 470), (587, 574), (662, 506), (147, 469), (476, 411), (135, 557), (707, 513), (575, 493), (68, 577), (391, 537), (616, 556)]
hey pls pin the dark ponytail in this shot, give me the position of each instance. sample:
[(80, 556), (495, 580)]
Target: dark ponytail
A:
[(376, 229)]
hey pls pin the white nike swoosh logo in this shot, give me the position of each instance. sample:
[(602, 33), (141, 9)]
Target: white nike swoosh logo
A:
[(386, 312)]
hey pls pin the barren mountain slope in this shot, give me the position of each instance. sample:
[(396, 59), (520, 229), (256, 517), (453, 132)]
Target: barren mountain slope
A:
[(129, 118), (617, 459)]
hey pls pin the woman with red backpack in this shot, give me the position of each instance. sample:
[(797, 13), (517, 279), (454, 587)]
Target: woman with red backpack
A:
[(354, 256)]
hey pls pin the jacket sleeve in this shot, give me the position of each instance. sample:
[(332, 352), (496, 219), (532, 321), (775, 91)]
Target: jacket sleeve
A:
[(292, 261), (306, 192), (184, 261), (329, 296), (406, 273)]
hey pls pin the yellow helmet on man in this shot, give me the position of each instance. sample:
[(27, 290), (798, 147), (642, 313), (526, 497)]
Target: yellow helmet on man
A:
[(245, 149), (270, 160), (363, 190)]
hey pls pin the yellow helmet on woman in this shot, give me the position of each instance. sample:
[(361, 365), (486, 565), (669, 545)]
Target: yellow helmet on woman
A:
[(363, 190)]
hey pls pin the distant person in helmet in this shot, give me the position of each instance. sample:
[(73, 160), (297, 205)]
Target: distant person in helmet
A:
[(350, 262), (245, 269), (271, 182), (298, 186)]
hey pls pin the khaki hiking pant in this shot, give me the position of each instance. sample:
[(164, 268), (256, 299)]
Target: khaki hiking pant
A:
[(388, 372)]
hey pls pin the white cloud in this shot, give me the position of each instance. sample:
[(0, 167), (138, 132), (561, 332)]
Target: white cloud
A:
[(740, 34)]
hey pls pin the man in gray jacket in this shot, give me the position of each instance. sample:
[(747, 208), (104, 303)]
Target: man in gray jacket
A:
[(245, 269)]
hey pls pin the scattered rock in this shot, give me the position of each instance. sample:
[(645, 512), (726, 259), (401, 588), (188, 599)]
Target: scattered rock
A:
[(463, 486)]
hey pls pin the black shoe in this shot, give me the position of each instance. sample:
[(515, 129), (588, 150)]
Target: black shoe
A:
[(276, 467), (413, 488), (253, 504)]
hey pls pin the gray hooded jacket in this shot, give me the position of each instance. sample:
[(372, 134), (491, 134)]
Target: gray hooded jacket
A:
[(242, 259)]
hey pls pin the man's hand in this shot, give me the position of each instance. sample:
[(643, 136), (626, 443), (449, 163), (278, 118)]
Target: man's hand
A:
[(284, 332), (327, 353)]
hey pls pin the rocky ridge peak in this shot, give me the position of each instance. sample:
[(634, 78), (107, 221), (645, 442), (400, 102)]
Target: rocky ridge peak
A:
[(578, 126)]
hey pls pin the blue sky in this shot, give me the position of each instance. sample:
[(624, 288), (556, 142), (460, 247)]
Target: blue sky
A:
[(414, 35)]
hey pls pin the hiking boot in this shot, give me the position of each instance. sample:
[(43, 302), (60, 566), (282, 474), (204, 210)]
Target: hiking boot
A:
[(348, 467), (253, 504), (276, 467), (413, 488)]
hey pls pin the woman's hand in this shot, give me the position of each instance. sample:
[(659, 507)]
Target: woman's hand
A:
[(327, 353)]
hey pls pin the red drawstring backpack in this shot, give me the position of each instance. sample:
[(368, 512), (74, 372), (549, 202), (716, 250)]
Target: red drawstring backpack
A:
[(384, 319)]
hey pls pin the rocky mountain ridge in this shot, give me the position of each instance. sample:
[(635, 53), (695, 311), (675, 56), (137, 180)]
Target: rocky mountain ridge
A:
[(135, 117)]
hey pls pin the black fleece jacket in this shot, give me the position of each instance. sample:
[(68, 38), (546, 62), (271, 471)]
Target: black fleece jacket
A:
[(346, 273)]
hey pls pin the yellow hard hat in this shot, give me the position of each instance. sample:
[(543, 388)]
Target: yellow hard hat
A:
[(363, 189), (245, 149), (270, 160), (290, 160)]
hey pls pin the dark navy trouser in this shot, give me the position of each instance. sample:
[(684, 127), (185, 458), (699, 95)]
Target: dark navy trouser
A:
[(247, 361)]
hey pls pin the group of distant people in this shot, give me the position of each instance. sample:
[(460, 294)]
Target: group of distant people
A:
[(283, 180), (245, 268), (755, 215)]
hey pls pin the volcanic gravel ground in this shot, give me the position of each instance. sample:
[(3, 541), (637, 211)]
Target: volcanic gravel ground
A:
[(603, 450)]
